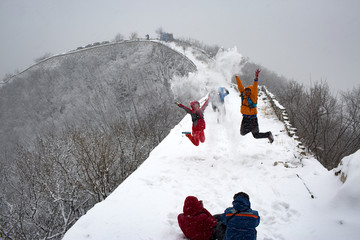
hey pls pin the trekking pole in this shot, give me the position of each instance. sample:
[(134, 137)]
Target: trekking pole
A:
[(312, 195)]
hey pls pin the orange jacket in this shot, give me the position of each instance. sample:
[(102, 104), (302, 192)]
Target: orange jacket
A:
[(245, 108)]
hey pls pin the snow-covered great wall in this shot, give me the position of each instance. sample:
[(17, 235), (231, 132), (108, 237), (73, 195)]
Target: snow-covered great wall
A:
[(297, 198)]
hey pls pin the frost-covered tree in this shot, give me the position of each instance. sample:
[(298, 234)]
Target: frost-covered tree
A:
[(43, 57), (118, 37), (159, 31), (133, 36)]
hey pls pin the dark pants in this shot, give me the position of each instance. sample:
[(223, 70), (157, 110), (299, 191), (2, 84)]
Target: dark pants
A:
[(251, 125), (219, 230)]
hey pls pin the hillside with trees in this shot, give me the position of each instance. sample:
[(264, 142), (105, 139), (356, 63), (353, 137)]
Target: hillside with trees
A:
[(328, 125), (74, 126)]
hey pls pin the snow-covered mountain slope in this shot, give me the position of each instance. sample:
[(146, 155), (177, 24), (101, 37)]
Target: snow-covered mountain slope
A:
[(146, 204), (92, 87)]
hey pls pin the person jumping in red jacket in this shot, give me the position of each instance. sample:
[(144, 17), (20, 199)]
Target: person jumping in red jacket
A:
[(197, 116)]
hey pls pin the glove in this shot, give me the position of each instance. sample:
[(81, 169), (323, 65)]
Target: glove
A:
[(257, 73)]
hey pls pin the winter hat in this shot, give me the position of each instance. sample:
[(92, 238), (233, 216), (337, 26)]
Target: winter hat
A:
[(241, 202), (192, 206), (242, 194), (192, 104)]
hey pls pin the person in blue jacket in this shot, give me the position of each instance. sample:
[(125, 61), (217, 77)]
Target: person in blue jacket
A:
[(240, 220), (218, 101)]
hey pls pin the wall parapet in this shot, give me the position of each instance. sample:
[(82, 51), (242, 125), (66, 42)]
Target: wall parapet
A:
[(283, 116)]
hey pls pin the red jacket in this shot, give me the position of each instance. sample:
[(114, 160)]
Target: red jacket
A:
[(196, 222), (197, 116)]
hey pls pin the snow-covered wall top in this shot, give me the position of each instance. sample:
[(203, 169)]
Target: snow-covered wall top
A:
[(283, 116)]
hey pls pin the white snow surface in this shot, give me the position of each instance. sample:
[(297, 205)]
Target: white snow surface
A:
[(146, 205)]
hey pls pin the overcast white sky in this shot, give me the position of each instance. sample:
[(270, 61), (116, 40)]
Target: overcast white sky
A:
[(302, 40)]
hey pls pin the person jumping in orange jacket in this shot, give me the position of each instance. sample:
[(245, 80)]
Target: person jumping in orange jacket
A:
[(197, 116), (249, 97)]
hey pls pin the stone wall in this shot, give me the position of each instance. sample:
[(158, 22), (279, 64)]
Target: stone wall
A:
[(283, 116)]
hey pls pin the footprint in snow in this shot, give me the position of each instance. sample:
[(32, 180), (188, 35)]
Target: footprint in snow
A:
[(284, 212)]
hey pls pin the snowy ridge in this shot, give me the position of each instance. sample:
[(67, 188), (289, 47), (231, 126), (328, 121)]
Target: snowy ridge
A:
[(146, 204), (82, 49)]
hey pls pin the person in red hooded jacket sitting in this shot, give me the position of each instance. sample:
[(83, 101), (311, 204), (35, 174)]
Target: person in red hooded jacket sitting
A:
[(196, 222), (197, 117)]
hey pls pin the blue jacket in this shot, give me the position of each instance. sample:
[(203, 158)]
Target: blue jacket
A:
[(242, 225), (218, 98), (223, 92)]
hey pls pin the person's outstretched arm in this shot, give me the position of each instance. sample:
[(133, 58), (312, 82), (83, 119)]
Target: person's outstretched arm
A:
[(256, 82), (239, 84), (188, 110), (205, 104)]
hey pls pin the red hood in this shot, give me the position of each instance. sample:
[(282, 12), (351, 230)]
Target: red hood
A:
[(192, 104), (192, 206), (249, 87)]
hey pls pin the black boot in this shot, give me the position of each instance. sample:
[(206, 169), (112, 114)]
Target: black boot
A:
[(271, 137)]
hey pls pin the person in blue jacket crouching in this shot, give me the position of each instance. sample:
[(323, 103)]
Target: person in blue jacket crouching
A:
[(240, 220)]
